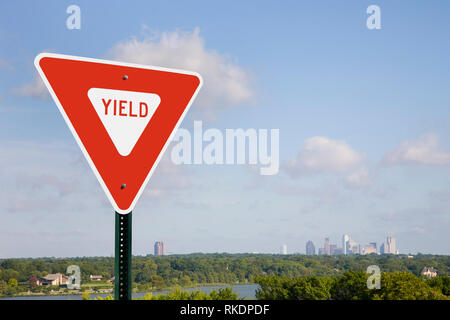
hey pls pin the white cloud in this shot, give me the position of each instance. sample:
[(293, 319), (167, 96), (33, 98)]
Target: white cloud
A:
[(424, 150), (35, 89), (325, 155), (226, 84), (321, 154), (359, 178)]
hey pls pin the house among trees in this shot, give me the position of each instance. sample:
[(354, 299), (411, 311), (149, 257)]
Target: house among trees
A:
[(429, 272), (96, 277), (34, 281), (55, 279)]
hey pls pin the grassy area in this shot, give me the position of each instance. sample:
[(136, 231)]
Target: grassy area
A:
[(99, 287), (97, 284)]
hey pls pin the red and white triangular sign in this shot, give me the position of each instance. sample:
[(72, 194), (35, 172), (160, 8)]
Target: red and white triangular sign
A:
[(123, 116)]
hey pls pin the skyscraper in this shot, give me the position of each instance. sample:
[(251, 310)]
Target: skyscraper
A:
[(310, 248), (333, 249), (353, 247), (284, 249), (345, 240), (391, 245), (327, 246), (370, 248), (160, 250)]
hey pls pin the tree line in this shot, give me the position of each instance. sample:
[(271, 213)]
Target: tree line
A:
[(152, 272), (352, 285)]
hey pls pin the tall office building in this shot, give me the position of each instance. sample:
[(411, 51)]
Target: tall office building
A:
[(327, 246), (345, 240), (310, 248), (370, 248), (160, 250), (353, 247), (333, 249), (391, 245), (284, 249)]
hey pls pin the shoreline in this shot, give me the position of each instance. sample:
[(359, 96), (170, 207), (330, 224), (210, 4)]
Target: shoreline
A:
[(79, 292)]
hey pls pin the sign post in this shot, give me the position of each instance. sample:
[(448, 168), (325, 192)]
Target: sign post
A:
[(123, 117), (123, 253)]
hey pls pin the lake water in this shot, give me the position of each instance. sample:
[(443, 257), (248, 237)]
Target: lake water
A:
[(246, 291)]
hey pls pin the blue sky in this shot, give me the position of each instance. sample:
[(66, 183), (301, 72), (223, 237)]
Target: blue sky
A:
[(364, 121)]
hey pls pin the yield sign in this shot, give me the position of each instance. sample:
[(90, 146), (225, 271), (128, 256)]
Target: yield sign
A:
[(123, 116)]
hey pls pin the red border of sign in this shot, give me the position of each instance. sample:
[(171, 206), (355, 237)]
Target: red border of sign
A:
[(78, 140)]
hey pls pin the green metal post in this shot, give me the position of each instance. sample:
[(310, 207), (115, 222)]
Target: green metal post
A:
[(122, 266)]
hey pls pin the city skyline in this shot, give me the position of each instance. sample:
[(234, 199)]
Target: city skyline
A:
[(159, 249), (350, 247), (388, 246)]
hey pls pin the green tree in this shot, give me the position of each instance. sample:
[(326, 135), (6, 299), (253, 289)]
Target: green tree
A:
[(313, 288), (352, 285), (272, 288), (406, 286), (301, 288), (440, 283), (185, 281), (178, 294), (3, 287), (85, 296), (157, 282), (13, 282)]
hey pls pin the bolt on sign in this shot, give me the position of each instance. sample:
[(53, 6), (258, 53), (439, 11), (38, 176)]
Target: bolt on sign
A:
[(123, 116)]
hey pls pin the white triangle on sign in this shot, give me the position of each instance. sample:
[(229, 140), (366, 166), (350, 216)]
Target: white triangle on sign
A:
[(125, 114)]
